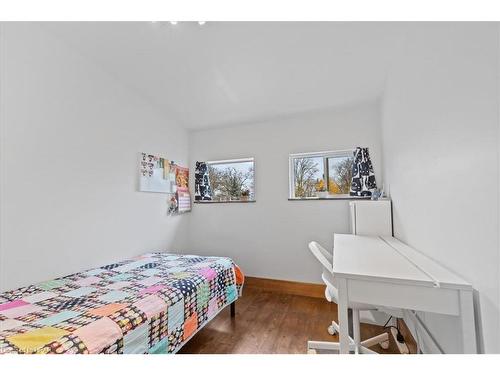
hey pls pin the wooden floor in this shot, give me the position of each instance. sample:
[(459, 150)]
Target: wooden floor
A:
[(270, 322)]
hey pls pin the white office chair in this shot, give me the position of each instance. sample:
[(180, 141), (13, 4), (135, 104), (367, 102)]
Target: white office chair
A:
[(331, 294)]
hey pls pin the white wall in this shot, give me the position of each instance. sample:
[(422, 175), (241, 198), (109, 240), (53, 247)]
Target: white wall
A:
[(440, 151), (70, 136), (269, 238)]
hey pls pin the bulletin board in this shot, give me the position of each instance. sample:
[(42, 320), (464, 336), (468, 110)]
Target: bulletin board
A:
[(159, 175), (155, 174)]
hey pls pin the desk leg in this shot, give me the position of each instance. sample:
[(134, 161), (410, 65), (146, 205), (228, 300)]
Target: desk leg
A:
[(343, 316), (468, 323)]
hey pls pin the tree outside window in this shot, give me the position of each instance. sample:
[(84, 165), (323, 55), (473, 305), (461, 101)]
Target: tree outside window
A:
[(327, 174), (232, 181), (339, 174)]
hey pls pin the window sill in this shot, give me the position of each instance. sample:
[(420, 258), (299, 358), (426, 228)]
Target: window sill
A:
[(213, 202), (330, 199)]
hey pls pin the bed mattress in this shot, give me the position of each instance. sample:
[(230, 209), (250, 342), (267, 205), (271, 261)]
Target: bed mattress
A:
[(153, 304)]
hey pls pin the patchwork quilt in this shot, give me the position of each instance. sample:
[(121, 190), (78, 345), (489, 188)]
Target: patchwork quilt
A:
[(151, 304)]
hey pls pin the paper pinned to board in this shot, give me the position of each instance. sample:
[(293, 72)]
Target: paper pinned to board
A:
[(166, 169), (184, 200), (181, 201)]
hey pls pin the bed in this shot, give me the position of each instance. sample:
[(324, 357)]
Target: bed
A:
[(152, 304)]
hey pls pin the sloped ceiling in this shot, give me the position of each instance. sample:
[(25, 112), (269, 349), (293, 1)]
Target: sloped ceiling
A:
[(224, 73)]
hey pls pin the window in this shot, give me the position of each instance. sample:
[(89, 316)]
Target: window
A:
[(232, 180), (321, 174)]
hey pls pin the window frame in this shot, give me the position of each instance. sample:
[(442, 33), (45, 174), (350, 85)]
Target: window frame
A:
[(233, 161), (325, 155)]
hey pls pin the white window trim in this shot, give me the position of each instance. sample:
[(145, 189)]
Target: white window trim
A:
[(229, 161), (323, 154)]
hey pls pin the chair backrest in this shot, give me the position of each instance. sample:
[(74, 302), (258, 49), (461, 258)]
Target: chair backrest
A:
[(322, 255), (326, 260)]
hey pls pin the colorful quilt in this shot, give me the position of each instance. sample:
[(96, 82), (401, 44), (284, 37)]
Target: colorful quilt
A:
[(152, 304)]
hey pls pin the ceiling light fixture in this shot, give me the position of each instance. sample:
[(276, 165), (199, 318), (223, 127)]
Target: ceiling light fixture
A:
[(173, 22), (201, 22)]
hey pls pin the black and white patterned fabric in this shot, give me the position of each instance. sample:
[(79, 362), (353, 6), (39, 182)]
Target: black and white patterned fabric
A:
[(202, 190), (363, 179)]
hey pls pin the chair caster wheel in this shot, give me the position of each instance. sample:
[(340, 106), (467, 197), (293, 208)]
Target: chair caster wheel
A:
[(331, 330), (384, 345)]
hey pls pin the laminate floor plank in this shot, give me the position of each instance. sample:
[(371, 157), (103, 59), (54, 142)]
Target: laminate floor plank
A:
[(271, 323)]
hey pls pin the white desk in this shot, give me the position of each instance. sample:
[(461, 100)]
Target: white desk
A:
[(384, 271)]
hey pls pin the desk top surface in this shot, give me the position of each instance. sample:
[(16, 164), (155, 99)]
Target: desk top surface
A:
[(388, 259)]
